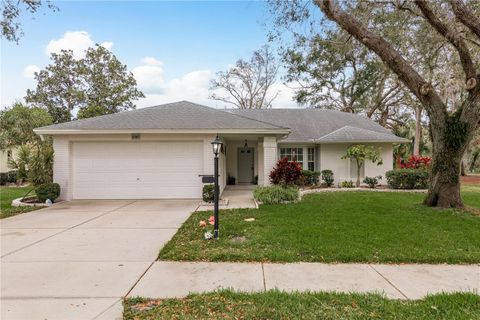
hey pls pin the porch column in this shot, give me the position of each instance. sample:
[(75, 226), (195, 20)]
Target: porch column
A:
[(269, 157)]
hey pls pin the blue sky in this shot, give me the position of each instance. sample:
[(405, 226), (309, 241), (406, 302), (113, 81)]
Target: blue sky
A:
[(173, 48)]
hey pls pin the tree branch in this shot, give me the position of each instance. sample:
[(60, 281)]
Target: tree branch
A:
[(419, 87), (456, 41), (466, 16)]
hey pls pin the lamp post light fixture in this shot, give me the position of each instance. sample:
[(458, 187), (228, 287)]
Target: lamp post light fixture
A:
[(217, 146)]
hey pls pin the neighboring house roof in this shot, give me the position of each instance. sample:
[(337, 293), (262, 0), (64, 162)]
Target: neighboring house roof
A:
[(309, 125), (173, 116), (301, 125)]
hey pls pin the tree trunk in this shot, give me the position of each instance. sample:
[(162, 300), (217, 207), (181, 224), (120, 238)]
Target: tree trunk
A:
[(444, 189), (359, 167), (418, 131)]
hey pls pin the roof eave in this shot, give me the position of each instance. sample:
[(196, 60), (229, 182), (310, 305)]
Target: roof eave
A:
[(40, 131), (362, 141)]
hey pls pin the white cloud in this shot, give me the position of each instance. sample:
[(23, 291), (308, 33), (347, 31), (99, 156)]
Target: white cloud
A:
[(29, 71), (285, 96), (77, 41), (192, 86), (107, 45), (151, 61), (150, 76)]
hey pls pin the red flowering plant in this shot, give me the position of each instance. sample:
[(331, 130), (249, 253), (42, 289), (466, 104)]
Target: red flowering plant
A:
[(417, 162), (286, 172)]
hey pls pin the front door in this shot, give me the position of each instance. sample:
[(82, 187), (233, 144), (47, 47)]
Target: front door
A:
[(245, 165)]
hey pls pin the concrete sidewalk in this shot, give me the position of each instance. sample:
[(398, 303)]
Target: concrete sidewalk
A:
[(176, 279)]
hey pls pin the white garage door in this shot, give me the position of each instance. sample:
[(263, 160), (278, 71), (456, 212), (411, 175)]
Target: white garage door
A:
[(137, 170)]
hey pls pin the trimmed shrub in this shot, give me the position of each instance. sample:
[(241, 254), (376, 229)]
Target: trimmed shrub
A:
[(8, 177), (48, 191), (208, 193), (276, 194), (3, 178), (408, 178), (327, 177), (372, 181), (286, 172), (12, 176), (347, 184), (310, 178)]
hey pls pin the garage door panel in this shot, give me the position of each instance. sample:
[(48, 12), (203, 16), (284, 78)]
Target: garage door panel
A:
[(137, 170)]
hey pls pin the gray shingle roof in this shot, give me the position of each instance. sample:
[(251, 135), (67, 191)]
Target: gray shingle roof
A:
[(305, 125), (313, 124), (177, 115), (353, 134)]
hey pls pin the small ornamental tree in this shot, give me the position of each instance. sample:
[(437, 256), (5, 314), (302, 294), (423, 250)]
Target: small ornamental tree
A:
[(286, 172), (360, 153)]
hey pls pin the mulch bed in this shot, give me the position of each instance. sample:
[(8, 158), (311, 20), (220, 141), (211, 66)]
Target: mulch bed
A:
[(471, 179)]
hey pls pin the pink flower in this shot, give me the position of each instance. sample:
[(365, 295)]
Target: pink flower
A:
[(211, 220)]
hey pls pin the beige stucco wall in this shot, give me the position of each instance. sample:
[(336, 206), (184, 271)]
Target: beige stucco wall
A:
[(330, 158), (63, 159), (4, 161), (270, 156)]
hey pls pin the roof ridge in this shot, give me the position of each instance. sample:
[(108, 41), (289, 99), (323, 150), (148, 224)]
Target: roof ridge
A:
[(244, 117), (347, 126), (356, 128)]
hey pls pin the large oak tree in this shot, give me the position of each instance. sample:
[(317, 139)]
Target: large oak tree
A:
[(95, 85), (440, 67)]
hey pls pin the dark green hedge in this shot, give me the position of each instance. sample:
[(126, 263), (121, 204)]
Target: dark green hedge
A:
[(310, 178), (48, 191), (208, 194), (408, 178), (8, 177)]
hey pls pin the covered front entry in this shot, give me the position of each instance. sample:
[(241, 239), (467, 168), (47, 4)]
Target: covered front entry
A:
[(137, 170), (249, 158)]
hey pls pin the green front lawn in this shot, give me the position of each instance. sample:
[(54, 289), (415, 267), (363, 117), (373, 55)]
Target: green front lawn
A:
[(7, 194), (338, 227), (280, 305)]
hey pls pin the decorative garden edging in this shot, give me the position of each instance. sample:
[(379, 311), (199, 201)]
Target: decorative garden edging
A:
[(18, 203), (319, 190)]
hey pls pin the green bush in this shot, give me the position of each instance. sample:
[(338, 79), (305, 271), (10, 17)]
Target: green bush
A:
[(208, 194), (347, 184), (276, 194), (12, 176), (8, 177), (310, 178), (408, 178), (48, 191), (327, 177), (372, 181)]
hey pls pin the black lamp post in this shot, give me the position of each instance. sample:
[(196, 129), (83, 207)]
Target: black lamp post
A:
[(217, 146)]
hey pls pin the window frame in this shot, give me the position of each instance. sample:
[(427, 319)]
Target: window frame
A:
[(305, 156)]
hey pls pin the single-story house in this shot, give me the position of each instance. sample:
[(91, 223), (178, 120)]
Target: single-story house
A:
[(162, 151), (5, 157)]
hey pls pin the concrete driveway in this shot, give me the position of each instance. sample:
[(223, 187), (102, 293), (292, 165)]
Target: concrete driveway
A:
[(78, 259)]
